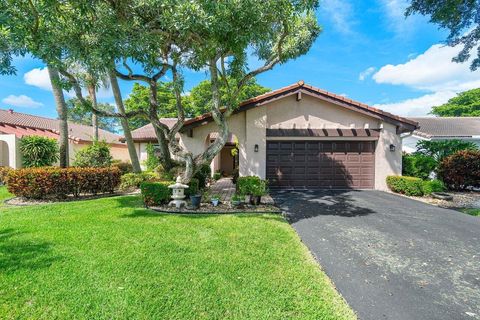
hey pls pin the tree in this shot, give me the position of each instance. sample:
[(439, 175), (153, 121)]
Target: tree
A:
[(77, 113), (439, 149), (460, 17), (201, 95), (62, 115), (465, 104)]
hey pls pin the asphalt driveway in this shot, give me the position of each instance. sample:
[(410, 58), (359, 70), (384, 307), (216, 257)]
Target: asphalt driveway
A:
[(389, 256)]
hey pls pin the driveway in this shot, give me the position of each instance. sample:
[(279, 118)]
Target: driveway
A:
[(389, 256)]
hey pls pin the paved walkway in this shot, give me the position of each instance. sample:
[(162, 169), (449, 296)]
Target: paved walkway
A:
[(224, 188), (391, 257)]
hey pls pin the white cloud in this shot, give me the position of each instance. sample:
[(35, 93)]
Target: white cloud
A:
[(341, 14), (21, 101), (39, 78), (366, 73), (395, 17), (432, 72), (420, 106)]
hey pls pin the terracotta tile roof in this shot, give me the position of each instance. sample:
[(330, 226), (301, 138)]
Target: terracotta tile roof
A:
[(302, 87), (147, 132), (22, 124), (448, 127)]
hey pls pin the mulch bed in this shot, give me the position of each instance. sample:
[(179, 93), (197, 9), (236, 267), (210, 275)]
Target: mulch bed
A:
[(19, 201), (207, 208)]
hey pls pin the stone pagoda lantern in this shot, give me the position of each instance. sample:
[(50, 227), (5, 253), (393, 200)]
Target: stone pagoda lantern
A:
[(178, 190)]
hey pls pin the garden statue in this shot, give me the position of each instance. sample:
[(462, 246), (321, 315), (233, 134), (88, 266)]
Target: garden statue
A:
[(178, 190)]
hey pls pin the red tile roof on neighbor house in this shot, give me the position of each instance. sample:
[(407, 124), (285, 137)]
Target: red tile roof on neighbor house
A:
[(147, 132), (22, 124)]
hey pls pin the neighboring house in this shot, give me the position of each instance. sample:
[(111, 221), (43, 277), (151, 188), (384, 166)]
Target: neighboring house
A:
[(443, 128), (15, 125), (302, 136)]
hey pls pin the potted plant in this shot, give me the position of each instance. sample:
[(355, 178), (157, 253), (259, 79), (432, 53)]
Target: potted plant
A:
[(215, 200), (236, 200)]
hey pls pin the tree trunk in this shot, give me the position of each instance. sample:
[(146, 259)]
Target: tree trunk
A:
[(92, 92), (126, 129), (62, 115)]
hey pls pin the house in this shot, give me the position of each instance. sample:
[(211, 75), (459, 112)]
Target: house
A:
[(302, 136), (443, 128), (15, 125)]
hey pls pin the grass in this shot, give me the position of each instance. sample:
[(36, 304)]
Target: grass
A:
[(4, 194), (111, 259), (472, 211)]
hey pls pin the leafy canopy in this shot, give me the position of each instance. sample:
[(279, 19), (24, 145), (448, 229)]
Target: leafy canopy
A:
[(77, 113), (460, 17), (38, 151), (465, 104), (443, 148)]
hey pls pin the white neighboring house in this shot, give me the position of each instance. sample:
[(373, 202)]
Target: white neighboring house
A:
[(443, 128), (15, 125)]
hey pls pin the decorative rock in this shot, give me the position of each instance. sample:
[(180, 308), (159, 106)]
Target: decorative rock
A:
[(178, 190)]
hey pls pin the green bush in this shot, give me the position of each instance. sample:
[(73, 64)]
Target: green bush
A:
[(217, 176), (203, 173), (193, 187), (433, 186), (410, 186), (95, 155), (461, 170), (440, 149), (124, 166), (235, 175), (418, 165), (156, 193), (251, 185), (131, 181), (153, 161), (38, 151), (52, 182)]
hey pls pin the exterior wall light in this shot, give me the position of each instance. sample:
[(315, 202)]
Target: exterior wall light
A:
[(255, 148), (392, 148)]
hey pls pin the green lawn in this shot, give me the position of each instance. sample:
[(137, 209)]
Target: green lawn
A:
[(4, 195), (472, 211), (111, 259)]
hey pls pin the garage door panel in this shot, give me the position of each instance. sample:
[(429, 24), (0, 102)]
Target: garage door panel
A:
[(321, 164)]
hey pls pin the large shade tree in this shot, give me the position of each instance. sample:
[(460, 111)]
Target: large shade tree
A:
[(460, 17), (465, 104)]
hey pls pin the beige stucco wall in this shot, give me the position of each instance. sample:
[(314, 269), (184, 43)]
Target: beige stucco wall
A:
[(10, 154), (309, 112)]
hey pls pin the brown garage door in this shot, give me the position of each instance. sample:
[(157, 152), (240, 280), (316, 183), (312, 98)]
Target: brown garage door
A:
[(321, 164)]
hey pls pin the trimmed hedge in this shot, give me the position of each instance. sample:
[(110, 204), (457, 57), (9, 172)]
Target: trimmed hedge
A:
[(409, 186), (3, 174), (461, 170), (156, 193), (51, 182), (125, 167), (131, 181)]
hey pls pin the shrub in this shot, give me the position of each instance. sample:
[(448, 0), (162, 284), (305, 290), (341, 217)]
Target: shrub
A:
[(217, 176), (131, 181), (48, 182), (95, 155), (461, 170), (3, 174), (156, 193), (235, 175), (440, 149), (124, 166), (418, 165), (193, 187), (203, 173), (153, 160), (38, 151), (251, 185), (432, 186), (409, 186)]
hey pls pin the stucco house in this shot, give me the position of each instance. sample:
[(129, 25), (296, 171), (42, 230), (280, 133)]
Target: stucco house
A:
[(443, 128), (15, 125), (302, 136)]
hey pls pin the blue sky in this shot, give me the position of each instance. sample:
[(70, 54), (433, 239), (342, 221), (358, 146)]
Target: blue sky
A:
[(367, 51)]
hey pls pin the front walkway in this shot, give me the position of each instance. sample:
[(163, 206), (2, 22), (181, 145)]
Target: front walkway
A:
[(224, 189), (391, 257)]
